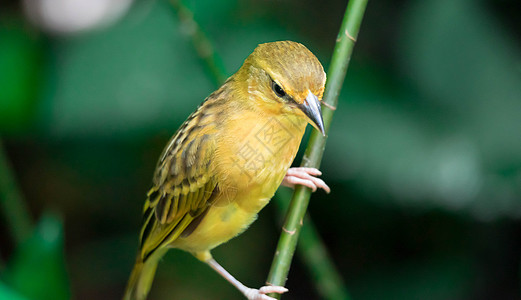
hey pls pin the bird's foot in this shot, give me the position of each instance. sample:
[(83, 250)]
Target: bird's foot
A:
[(260, 294), (305, 177)]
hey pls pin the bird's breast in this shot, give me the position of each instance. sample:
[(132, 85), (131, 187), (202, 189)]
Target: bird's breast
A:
[(253, 154), (256, 154)]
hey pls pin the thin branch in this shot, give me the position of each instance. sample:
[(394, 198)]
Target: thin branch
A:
[(313, 253), (294, 219), (202, 44), (12, 205)]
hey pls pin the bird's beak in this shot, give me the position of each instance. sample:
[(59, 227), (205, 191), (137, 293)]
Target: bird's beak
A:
[(311, 108)]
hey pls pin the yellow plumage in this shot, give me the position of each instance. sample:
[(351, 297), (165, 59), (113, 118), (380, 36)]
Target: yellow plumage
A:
[(228, 158)]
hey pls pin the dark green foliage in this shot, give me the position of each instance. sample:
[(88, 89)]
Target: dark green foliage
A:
[(37, 268), (423, 157)]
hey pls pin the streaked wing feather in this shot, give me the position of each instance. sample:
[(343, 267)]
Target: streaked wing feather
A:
[(183, 183)]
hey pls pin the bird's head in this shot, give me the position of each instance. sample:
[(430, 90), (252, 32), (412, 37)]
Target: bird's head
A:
[(286, 78)]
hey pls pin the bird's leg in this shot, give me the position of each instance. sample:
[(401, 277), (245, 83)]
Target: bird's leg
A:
[(305, 177), (251, 294)]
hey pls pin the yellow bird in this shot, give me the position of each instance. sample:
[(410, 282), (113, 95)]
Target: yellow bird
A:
[(227, 160)]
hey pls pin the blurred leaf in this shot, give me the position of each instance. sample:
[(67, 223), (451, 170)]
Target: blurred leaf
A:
[(124, 80), (436, 278), (465, 61), (20, 66), (462, 58), (7, 293), (142, 74), (449, 139), (37, 270)]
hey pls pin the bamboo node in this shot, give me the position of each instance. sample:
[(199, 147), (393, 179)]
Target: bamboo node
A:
[(290, 232), (350, 36), (331, 107)]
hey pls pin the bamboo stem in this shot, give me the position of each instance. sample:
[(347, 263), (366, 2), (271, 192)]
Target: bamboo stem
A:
[(13, 207), (314, 254), (315, 149)]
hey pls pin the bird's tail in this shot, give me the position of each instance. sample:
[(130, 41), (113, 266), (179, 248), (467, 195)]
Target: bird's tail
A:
[(141, 277)]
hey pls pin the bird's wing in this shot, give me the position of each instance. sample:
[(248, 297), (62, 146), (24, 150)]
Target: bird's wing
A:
[(184, 185)]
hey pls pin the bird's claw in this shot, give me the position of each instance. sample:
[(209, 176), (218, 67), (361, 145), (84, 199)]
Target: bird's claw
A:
[(260, 294), (305, 177)]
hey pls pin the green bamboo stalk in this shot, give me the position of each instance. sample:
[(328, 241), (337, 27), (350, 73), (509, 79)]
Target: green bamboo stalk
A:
[(313, 253), (16, 214), (294, 219), (200, 41)]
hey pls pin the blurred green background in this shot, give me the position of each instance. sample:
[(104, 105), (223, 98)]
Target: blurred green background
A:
[(424, 154)]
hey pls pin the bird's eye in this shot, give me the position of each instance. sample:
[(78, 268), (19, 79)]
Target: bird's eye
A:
[(279, 91)]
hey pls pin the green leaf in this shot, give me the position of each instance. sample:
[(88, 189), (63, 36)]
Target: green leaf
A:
[(7, 293), (37, 270), (20, 65)]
